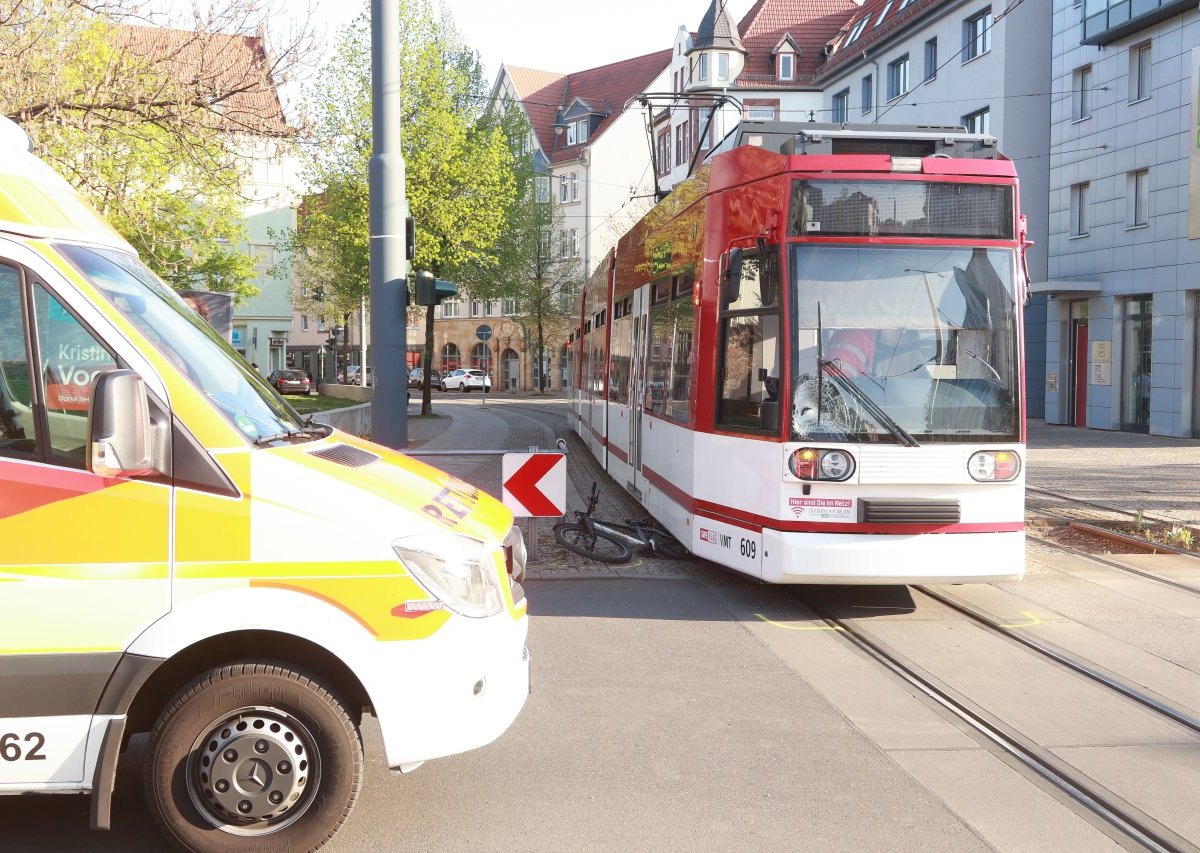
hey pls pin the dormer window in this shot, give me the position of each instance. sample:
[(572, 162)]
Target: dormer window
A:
[(787, 66), (577, 132)]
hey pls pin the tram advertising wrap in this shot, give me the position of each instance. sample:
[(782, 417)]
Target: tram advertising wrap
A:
[(808, 364)]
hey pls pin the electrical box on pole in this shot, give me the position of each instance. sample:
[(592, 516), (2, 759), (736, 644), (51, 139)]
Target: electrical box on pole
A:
[(430, 290)]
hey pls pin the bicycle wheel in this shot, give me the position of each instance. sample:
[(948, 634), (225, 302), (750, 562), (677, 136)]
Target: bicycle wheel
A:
[(591, 544), (668, 547)]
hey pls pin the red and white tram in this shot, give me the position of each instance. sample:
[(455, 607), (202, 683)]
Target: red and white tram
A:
[(808, 365)]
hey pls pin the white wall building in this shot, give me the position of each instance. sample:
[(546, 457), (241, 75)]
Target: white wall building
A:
[(763, 68), (958, 62)]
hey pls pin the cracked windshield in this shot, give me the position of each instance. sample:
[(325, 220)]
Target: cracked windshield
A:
[(905, 344)]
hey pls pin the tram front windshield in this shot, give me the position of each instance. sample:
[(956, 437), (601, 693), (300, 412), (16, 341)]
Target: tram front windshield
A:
[(905, 344)]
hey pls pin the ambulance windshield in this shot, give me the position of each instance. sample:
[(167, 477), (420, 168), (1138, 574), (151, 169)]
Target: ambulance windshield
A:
[(191, 344)]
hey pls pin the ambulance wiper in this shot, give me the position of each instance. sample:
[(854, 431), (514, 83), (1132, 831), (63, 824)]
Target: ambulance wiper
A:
[(872, 408), (288, 435)]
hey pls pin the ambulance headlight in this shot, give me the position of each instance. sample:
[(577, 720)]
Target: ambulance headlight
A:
[(456, 569)]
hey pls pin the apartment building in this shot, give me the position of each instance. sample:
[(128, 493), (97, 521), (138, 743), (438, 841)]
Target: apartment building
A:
[(588, 142), (1124, 315), (973, 63)]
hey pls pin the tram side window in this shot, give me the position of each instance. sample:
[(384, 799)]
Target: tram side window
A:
[(658, 376), (17, 433), (681, 350), (748, 394), (618, 375)]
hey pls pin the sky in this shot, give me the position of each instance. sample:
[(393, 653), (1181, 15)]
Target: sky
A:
[(564, 39)]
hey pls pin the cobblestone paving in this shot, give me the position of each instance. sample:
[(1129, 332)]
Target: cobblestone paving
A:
[(516, 424)]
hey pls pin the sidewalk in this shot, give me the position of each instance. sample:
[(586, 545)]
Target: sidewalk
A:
[(1128, 470)]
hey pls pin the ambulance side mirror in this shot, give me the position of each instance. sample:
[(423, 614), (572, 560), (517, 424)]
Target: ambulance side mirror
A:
[(120, 438)]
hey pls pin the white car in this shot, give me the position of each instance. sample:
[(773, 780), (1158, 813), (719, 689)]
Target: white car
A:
[(466, 380)]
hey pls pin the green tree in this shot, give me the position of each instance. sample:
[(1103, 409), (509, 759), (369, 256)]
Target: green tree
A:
[(530, 262), (459, 169), (150, 124)]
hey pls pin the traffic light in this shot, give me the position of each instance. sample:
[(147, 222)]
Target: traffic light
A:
[(431, 291)]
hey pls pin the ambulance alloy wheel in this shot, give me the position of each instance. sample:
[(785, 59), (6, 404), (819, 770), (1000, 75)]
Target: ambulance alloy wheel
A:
[(253, 757)]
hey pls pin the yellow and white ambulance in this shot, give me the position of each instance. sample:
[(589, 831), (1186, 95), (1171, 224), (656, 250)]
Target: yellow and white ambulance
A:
[(184, 555)]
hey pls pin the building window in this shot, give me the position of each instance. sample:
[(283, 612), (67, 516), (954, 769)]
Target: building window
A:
[(562, 189), (574, 186), (1106, 21), (542, 183), (977, 35), (1079, 209), (1081, 93), (581, 130), (476, 308), (931, 65), (508, 307), (868, 95), (897, 77), (574, 242), (563, 243), (703, 63), (481, 357), (857, 31), (1139, 72), (787, 66), (664, 152), (841, 107), (321, 324), (722, 66), (761, 112), (1137, 198), (978, 122), (452, 308), (887, 8)]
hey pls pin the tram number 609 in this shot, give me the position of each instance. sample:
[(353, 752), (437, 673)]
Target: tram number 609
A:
[(749, 548)]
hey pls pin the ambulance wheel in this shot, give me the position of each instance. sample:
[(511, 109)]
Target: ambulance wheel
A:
[(253, 756)]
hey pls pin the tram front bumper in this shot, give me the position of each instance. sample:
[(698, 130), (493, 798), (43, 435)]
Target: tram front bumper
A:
[(858, 558)]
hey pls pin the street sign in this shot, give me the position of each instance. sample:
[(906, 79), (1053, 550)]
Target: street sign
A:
[(483, 331), (534, 484)]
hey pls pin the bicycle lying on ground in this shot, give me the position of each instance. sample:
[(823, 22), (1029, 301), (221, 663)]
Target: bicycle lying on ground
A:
[(613, 542)]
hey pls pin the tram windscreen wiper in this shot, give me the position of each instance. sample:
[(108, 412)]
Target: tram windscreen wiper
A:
[(830, 366)]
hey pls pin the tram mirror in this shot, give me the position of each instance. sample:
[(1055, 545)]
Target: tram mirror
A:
[(733, 275)]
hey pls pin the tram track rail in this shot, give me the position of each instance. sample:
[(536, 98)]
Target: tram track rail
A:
[(1125, 820), (1107, 562)]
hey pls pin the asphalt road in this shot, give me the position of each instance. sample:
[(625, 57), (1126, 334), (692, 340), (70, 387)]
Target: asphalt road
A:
[(657, 722)]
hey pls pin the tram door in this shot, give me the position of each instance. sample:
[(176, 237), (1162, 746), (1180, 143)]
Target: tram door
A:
[(637, 371)]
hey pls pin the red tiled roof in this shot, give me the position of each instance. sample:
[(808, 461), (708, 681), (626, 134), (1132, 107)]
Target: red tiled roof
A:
[(233, 68), (875, 31), (811, 24), (605, 89)]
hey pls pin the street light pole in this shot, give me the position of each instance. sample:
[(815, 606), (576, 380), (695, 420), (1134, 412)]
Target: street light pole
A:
[(388, 208)]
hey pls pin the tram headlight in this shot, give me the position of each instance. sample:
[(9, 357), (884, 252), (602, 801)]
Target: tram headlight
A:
[(835, 465), (810, 463), (994, 466)]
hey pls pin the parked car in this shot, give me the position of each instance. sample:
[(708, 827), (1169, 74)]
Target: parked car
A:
[(290, 381), (417, 374), (465, 380), (349, 376)]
